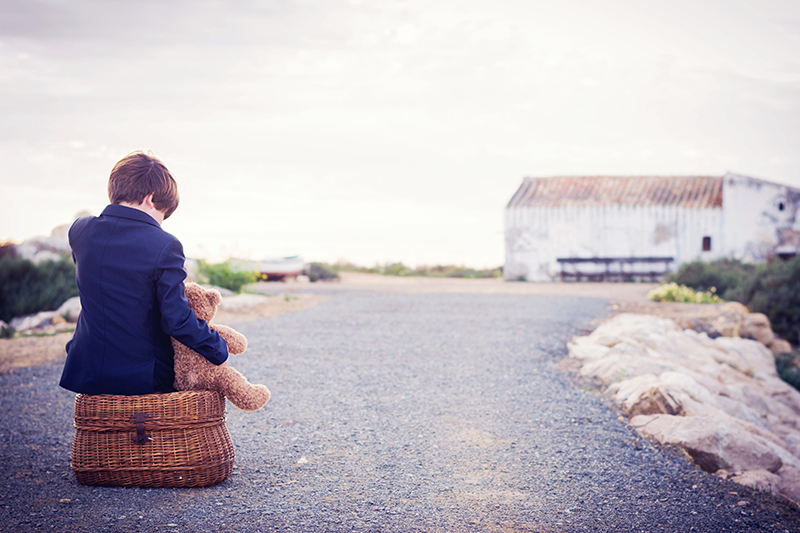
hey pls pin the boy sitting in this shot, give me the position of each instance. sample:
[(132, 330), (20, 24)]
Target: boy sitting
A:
[(130, 278)]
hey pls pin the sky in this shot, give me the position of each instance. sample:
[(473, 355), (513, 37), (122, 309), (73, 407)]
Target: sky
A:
[(382, 131)]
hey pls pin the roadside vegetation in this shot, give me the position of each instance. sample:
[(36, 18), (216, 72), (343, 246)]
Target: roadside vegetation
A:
[(400, 269), (27, 288), (772, 288), (225, 275), (672, 292)]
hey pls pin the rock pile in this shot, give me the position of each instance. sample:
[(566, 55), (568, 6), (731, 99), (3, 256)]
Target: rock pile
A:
[(734, 320), (48, 322), (719, 399), (50, 248)]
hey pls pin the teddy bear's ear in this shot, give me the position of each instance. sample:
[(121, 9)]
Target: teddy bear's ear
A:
[(214, 298)]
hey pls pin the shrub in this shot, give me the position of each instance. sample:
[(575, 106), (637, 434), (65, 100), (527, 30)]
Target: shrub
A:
[(774, 289), (320, 271), (788, 370), (27, 288), (724, 275), (770, 288), (224, 275), (672, 292)]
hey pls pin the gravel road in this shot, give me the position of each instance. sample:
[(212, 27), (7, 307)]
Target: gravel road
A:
[(394, 412)]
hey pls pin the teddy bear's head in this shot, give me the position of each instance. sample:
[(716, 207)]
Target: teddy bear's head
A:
[(203, 301)]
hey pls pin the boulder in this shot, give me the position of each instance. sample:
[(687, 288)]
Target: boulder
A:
[(70, 309), (789, 484), (780, 346), (735, 307), (28, 322), (756, 326), (713, 442), (5, 329), (762, 480), (241, 302)]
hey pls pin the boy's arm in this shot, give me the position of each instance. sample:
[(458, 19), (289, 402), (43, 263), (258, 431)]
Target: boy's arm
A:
[(177, 319)]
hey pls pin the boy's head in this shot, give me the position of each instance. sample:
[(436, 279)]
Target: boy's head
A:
[(138, 175)]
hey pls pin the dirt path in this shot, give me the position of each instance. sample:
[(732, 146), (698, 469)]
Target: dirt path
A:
[(394, 411)]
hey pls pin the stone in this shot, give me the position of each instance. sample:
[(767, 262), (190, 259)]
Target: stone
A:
[(720, 399), (5, 329), (762, 480), (587, 350), (70, 309), (749, 357), (243, 301), (756, 326), (712, 442), (735, 307), (28, 322), (780, 346), (789, 484), (221, 290)]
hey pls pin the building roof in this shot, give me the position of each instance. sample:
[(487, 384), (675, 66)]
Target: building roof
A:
[(683, 191)]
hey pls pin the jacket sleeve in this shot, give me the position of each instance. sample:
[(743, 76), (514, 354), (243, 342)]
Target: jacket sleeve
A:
[(177, 318)]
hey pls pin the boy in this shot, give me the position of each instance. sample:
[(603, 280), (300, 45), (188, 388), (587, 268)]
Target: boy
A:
[(130, 279)]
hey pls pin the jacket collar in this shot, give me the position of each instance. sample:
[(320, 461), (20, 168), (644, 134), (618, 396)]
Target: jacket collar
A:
[(122, 211)]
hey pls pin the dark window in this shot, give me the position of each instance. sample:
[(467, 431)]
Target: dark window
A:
[(781, 206), (706, 244)]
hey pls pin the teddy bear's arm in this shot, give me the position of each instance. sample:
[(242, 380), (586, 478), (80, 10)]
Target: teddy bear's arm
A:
[(237, 343)]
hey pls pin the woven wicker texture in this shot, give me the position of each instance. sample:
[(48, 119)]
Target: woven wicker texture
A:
[(189, 444)]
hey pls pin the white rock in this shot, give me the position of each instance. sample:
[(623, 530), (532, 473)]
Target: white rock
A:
[(780, 346), (712, 442), (762, 480), (243, 301), (754, 359), (756, 326), (221, 290), (27, 322), (586, 350), (70, 309), (790, 482)]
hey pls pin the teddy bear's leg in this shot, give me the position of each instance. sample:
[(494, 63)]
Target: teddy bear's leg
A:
[(241, 392), (192, 370)]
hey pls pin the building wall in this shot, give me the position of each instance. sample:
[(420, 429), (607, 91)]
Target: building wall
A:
[(759, 217), (537, 236)]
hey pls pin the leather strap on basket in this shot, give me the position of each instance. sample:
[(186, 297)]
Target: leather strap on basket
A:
[(141, 437)]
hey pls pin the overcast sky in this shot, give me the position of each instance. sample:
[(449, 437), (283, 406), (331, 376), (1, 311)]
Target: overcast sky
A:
[(382, 130)]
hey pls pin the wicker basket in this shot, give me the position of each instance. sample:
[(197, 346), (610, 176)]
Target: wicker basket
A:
[(177, 439)]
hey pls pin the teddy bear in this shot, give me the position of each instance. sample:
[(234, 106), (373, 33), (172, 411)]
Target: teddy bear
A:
[(195, 372)]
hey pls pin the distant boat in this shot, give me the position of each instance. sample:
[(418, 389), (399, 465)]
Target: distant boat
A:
[(275, 269)]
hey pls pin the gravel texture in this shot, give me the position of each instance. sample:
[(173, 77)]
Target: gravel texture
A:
[(394, 412)]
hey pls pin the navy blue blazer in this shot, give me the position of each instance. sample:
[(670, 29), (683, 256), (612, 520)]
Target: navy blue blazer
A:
[(130, 279)]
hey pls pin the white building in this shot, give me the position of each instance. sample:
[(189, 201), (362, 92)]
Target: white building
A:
[(683, 218)]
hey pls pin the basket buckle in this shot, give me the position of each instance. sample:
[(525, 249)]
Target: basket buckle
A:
[(141, 437)]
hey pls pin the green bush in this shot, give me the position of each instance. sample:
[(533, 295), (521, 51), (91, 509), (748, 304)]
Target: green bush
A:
[(320, 271), (771, 288), (788, 370), (774, 289), (724, 275), (26, 288), (224, 275)]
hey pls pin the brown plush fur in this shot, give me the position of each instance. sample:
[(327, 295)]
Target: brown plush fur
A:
[(195, 372)]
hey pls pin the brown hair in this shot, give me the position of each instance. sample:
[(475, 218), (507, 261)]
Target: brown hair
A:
[(137, 175)]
